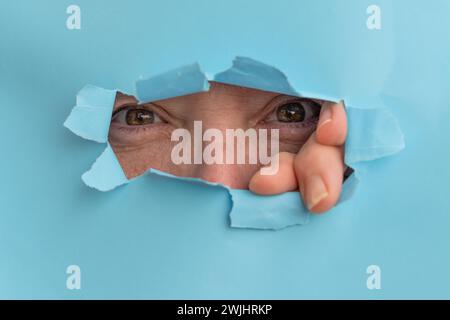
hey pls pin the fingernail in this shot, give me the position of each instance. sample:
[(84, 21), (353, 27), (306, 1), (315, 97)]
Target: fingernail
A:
[(326, 116), (315, 191)]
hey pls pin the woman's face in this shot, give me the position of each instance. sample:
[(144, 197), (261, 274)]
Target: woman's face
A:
[(140, 135)]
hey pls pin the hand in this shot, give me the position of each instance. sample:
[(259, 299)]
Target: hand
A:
[(317, 170)]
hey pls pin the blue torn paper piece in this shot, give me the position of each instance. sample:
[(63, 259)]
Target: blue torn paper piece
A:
[(275, 212), (178, 82), (91, 117), (106, 172), (372, 134), (246, 72), (252, 211), (266, 212), (249, 73)]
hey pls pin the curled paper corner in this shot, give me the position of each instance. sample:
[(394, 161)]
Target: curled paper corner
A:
[(196, 180), (373, 133), (105, 173), (91, 116), (252, 211)]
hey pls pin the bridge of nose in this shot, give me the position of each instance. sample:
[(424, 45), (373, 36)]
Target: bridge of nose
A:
[(221, 117)]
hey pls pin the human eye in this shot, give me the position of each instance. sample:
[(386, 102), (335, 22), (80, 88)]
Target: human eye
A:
[(133, 124), (296, 119), (294, 110), (135, 116)]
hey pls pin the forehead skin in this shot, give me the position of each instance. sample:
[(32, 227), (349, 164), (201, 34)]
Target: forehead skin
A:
[(237, 104), (221, 93)]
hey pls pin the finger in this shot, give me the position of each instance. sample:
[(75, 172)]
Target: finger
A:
[(332, 127), (283, 181), (319, 169)]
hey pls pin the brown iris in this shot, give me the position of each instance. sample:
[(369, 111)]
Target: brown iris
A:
[(291, 112), (296, 112), (137, 117)]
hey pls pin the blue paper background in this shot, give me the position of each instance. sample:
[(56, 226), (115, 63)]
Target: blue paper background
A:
[(171, 239)]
